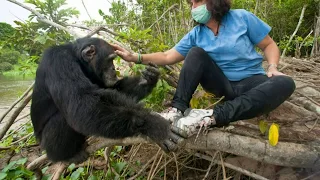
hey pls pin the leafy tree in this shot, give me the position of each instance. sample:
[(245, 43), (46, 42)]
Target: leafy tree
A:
[(33, 37), (10, 56), (52, 10), (5, 66), (6, 31)]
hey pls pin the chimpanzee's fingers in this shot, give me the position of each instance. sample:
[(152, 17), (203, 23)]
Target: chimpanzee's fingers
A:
[(150, 76), (168, 146), (152, 65), (153, 70), (177, 139), (179, 131), (153, 74), (147, 75)]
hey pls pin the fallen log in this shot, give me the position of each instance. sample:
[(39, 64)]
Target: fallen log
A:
[(283, 154)]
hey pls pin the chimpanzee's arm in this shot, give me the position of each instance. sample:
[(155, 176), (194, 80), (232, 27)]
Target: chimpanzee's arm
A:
[(111, 114)]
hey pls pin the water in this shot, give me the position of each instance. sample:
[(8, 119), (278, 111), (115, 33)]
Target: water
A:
[(11, 88)]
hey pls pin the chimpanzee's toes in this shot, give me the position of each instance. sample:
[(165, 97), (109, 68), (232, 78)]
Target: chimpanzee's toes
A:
[(79, 157)]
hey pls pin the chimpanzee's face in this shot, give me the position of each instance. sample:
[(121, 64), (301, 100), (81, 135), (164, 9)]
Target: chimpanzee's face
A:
[(107, 71), (100, 56)]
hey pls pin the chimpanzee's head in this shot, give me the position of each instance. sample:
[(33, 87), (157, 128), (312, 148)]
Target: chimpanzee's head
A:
[(97, 60)]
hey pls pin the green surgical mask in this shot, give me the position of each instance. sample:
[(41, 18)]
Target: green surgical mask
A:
[(201, 14)]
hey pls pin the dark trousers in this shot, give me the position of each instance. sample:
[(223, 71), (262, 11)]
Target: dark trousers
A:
[(245, 99)]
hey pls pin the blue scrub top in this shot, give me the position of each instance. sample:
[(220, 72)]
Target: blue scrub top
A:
[(233, 49)]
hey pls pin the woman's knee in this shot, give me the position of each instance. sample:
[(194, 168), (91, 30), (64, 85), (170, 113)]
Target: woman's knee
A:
[(196, 50), (196, 53), (286, 83)]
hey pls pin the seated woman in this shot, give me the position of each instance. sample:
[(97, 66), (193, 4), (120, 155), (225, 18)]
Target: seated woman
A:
[(220, 54)]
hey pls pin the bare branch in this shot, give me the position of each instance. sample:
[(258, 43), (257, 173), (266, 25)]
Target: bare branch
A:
[(295, 31), (15, 114), (169, 9), (79, 26), (37, 162), (86, 9), (89, 28), (304, 40), (60, 169), (243, 171)]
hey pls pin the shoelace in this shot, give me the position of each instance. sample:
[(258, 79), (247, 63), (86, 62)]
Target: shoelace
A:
[(202, 124)]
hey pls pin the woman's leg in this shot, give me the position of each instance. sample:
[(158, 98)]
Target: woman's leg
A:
[(257, 95), (199, 68)]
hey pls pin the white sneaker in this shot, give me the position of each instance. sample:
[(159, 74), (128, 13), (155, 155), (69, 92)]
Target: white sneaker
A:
[(172, 114), (195, 119)]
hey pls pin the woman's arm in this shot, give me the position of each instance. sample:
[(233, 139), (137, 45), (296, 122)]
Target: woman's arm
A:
[(272, 53), (160, 58)]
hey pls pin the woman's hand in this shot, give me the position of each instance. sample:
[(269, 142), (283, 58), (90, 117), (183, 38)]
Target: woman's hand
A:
[(124, 54), (273, 71)]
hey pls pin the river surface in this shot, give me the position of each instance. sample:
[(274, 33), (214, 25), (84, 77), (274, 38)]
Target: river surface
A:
[(11, 88)]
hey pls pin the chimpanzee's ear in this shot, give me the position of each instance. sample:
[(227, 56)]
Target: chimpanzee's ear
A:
[(88, 53)]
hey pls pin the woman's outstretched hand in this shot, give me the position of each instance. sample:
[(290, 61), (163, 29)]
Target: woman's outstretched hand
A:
[(124, 54)]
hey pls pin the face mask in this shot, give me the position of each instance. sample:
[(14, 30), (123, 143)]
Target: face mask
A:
[(201, 14)]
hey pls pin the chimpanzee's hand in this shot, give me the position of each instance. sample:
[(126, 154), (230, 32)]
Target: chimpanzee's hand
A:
[(168, 137), (176, 137), (151, 74)]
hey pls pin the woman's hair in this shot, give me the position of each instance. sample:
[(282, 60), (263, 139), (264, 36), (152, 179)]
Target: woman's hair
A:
[(218, 8)]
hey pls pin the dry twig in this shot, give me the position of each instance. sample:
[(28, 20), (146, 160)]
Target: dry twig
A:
[(210, 166), (15, 114), (143, 168), (243, 171)]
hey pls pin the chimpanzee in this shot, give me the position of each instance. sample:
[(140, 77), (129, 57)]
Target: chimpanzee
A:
[(77, 94)]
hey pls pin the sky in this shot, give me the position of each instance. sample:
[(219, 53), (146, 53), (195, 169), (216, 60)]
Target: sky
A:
[(10, 12)]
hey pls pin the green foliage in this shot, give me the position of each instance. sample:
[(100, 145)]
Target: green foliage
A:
[(29, 39), (283, 16), (120, 168), (33, 37), (53, 10), (6, 31), (119, 14), (28, 66), (155, 100), (202, 99), (74, 173), (144, 29), (10, 56), (16, 170), (5, 66)]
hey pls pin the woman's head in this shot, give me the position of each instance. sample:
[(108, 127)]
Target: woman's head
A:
[(217, 9)]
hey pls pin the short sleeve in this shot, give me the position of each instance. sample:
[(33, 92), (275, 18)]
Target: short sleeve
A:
[(256, 28), (186, 43)]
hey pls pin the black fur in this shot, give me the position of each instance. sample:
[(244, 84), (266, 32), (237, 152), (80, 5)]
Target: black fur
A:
[(71, 101)]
